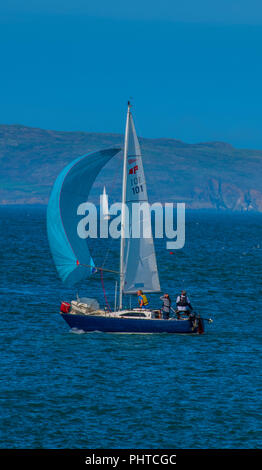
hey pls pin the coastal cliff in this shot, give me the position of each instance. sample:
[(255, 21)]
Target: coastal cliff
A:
[(212, 175)]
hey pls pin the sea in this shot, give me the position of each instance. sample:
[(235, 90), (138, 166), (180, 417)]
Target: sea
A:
[(62, 389)]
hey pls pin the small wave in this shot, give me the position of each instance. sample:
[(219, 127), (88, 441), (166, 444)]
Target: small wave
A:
[(77, 331)]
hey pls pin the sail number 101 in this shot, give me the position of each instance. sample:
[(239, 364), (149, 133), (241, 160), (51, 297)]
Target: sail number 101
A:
[(137, 187)]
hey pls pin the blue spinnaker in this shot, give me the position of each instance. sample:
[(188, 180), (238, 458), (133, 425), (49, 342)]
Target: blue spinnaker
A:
[(72, 186)]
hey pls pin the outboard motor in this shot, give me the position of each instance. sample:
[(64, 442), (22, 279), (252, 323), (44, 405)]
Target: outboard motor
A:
[(200, 326)]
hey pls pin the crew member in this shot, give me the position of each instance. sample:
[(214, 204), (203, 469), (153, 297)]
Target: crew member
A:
[(165, 310), (183, 303), (142, 300)]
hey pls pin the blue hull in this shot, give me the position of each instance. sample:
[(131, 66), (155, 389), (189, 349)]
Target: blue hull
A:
[(130, 325)]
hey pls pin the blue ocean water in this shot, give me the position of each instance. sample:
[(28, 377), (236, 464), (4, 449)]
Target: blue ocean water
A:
[(60, 389)]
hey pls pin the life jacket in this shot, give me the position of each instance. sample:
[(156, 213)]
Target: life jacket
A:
[(145, 301), (182, 301)]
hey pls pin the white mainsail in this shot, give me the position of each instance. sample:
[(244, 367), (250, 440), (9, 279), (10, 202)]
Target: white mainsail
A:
[(138, 267)]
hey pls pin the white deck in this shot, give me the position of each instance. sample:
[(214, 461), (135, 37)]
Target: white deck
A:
[(79, 308)]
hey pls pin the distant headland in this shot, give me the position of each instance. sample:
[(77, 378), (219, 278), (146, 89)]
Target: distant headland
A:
[(211, 175)]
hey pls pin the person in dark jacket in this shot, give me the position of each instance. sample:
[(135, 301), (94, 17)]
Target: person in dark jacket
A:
[(183, 304)]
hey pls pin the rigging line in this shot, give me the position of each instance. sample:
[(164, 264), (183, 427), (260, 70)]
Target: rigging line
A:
[(106, 255), (112, 187), (102, 282), (98, 267)]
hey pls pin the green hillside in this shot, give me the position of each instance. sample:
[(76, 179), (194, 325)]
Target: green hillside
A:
[(204, 175)]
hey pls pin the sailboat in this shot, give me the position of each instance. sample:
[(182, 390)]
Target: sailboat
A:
[(105, 211), (138, 266)]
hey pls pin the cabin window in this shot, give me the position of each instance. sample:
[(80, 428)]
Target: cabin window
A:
[(133, 314)]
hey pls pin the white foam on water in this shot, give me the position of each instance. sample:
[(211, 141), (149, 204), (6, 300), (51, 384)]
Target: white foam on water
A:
[(77, 331)]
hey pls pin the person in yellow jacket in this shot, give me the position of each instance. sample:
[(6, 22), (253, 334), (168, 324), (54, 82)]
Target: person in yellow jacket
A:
[(142, 300)]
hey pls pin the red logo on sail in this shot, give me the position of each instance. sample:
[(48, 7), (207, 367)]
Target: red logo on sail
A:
[(133, 170), (131, 160)]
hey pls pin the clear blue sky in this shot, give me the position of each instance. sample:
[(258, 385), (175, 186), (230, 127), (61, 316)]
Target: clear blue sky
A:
[(193, 68)]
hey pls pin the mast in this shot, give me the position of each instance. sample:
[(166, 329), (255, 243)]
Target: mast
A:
[(122, 241)]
